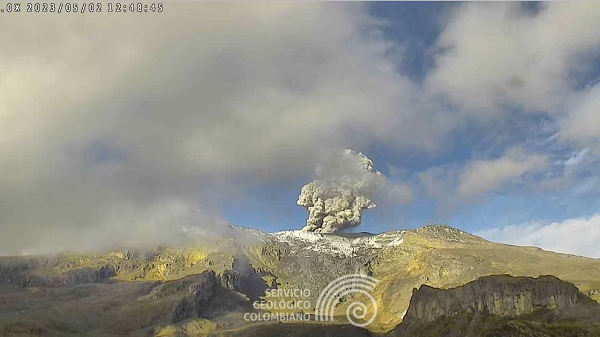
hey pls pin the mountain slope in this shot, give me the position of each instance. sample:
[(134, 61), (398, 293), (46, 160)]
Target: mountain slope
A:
[(436, 255), (247, 262)]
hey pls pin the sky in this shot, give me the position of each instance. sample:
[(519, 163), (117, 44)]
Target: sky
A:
[(119, 128)]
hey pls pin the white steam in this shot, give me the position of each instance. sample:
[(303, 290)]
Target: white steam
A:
[(344, 188)]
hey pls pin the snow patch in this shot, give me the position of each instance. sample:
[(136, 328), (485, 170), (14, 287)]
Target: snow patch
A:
[(396, 242), (338, 245)]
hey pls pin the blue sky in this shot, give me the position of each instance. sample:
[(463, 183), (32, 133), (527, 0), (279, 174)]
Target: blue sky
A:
[(417, 26), (481, 116)]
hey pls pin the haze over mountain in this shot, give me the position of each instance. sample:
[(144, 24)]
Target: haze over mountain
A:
[(206, 287)]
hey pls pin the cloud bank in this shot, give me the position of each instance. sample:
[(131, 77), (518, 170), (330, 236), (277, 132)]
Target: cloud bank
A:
[(583, 125), (577, 236), (498, 55), (117, 128), (105, 116), (481, 176)]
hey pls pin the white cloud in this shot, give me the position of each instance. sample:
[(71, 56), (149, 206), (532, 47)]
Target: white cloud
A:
[(583, 126), (579, 236), (497, 55), (103, 112), (455, 186), (481, 176), (496, 59)]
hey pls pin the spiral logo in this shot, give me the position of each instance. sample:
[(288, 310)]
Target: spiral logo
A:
[(356, 312)]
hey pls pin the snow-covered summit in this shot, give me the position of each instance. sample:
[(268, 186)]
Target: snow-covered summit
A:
[(336, 244), (354, 244)]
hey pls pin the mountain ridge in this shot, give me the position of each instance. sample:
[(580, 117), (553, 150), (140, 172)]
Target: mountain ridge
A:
[(252, 261), (501, 305)]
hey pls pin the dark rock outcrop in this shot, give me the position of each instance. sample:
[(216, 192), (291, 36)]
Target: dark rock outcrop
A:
[(206, 295), (497, 303), (89, 275), (498, 295), (21, 272)]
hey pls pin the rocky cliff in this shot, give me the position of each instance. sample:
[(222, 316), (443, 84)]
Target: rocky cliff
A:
[(502, 305), (247, 262), (206, 295), (498, 295)]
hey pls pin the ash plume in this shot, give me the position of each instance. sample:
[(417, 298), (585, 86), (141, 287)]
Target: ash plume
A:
[(344, 189)]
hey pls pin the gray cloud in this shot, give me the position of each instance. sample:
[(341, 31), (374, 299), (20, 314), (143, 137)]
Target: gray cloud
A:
[(117, 127), (343, 189), (499, 55), (583, 125), (496, 62), (454, 186), (345, 186), (104, 116), (481, 176)]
